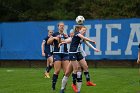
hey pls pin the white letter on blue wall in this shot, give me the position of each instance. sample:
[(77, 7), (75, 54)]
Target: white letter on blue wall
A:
[(135, 29), (111, 39), (66, 29), (51, 27), (88, 35), (98, 28)]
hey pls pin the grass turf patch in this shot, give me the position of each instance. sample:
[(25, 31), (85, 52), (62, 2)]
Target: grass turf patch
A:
[(31, 80)]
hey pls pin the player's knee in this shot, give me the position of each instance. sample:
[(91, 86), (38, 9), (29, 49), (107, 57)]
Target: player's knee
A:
[(85, 68), (79, 68), (138, 61), (75, 69), (67, 74), (57, 72), (51, 64)]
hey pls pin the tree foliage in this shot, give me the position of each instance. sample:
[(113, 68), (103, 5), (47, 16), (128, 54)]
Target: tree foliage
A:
[(40, 10)]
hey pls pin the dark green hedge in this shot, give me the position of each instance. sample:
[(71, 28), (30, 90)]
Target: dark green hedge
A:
[(42, 10)]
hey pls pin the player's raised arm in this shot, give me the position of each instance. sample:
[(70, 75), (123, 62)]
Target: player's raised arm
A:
[(91, 46), (85, 38), (81, 34), (51, 39), (66, 41)]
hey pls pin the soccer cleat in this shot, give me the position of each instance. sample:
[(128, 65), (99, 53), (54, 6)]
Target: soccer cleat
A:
[(53, 88), (62, 91), (47, 75), (53, 85), (74, 87), (90, 84)]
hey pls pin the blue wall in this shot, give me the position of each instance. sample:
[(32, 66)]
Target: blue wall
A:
[(117, 39)]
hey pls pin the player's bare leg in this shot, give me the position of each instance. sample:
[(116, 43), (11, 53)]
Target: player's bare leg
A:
[(47, 74), (79, 78), (65, 65), (75, 69), (65, 78), (57, 68), (49, 67), (84, 65)]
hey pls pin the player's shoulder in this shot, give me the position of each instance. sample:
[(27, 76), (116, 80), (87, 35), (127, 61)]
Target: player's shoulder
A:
[(76, 33), (47, 37), (55, 33), (65, 35)]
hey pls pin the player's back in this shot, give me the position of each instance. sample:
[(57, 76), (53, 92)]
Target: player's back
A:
[(75, 42)]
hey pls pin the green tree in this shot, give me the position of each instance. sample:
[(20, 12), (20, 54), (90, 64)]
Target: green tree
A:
[(36, 10)]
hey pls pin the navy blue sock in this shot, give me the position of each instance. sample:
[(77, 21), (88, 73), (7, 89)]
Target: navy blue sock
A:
[(49, 68), (87, 76), (54, 80), (74, 78), (46, 68)]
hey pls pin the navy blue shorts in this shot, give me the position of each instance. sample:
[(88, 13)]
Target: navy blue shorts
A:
[(60, 57), (47, 55), (75, 56)]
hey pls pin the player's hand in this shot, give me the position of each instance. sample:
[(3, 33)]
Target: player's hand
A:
[(56, 38), (59, 45), (97, 50), (43, 54), (138, 61), (66, 35), (94, 42)]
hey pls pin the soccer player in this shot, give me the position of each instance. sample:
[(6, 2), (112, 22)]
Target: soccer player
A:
[(138, 61), (47, 51), (81, 59), (69, 68), (60, 54)]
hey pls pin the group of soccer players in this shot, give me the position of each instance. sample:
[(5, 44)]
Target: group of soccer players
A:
[(66, 52)]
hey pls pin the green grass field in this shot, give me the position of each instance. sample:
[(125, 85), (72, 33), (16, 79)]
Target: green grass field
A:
[(31, 80)]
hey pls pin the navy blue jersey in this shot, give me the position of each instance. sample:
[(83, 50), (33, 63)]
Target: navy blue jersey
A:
[(48, 47), (62, 48), (139, 45), (76, 41)]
